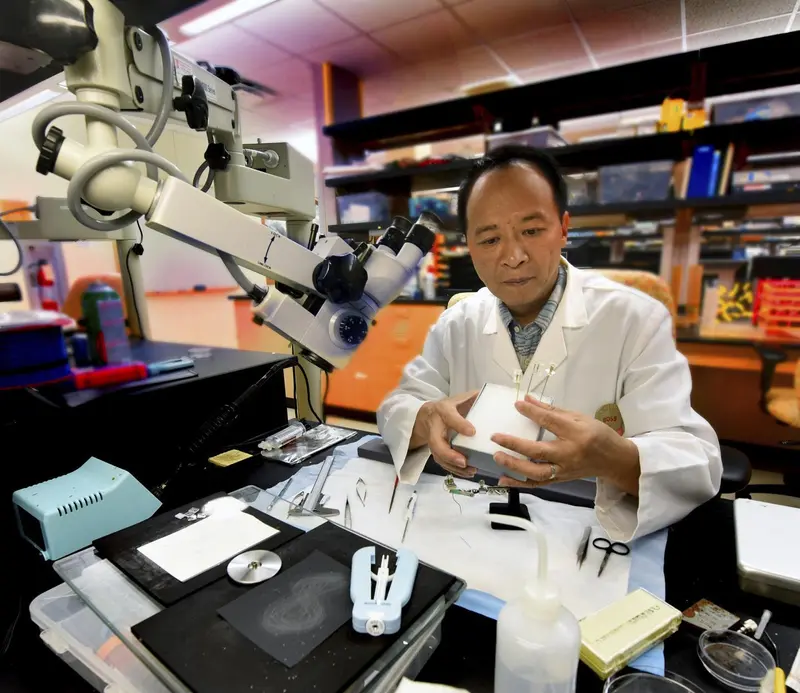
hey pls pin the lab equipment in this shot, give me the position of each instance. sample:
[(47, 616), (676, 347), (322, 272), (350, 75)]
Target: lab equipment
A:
[(538, 640), (452, 488), (411, 506), (737, 660), (348, 515), (169, 365), (359, 208), (279, 496), (103, 317), (647, 682), (252, 567), (308, 444), (394, 492), (313, 503), (361, 491), (583, 547), (649, 180), (494, 412), (609, 547), (380, 612), (619, 633), (326, 293), (765, 566), (105, 376), (69, 512), (32, 348), (283, 437)]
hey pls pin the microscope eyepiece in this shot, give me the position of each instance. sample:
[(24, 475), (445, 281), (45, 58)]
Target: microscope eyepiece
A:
[(423, 233), (394, 237)]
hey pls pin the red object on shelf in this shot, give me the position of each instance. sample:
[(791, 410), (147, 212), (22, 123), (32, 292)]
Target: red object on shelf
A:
[(45, 282), (109, 375), (776, 305)]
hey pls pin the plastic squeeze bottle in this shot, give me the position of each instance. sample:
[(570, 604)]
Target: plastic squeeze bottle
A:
[(538, 639)]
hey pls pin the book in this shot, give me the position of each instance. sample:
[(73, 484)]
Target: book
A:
[(712, 179), (725, 178), (680, 178), (702, 162)]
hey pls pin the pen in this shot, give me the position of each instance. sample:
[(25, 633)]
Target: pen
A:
[(412, 504)]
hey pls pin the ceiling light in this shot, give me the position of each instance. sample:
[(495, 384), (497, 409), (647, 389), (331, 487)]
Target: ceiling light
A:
[(32, 101), (223, 14)]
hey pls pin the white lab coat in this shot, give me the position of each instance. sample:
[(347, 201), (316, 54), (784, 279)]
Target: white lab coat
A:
[(610, 344)]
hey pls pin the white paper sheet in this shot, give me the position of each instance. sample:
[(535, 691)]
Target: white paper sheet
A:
[(206, 543), (461, 542)]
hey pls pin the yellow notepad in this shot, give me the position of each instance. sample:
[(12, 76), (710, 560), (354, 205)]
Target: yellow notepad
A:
[(622, 631)]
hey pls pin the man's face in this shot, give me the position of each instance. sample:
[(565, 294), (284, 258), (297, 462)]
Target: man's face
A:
[(515, 235)]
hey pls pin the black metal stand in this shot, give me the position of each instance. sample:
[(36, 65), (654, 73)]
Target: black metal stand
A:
[(513, 508)]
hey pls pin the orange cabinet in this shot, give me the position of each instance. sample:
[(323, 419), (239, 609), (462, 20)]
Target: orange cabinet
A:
[(376, 367)]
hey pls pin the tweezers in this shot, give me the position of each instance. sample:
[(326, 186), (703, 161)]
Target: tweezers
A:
[(583, 547)]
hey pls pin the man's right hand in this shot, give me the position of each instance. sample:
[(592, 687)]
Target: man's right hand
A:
[(433, 426)]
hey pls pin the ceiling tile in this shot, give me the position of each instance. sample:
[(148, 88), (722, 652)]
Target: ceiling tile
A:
[(497, 19), (636, 26), (297, 25), (426, 37), (291, 77), (585, 9), (542, 74), (281, 114), (540, 48), (173, 24), (705, 15), (369, 14), (360, 55), (233, 47), (634, 55), (736, 33), (461, 68)]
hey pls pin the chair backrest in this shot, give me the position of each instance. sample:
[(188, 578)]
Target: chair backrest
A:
[(646, 282)]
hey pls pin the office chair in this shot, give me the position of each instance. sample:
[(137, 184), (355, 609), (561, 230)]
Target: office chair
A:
[(736, 468)]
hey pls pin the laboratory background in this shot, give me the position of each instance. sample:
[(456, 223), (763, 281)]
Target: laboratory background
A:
[(227, 226)]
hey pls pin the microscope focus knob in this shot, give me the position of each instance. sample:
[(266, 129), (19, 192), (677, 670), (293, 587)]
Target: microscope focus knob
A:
[(348, 329), (340, 278)]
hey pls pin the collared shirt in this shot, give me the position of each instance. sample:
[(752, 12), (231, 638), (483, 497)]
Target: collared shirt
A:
[(526, 338)]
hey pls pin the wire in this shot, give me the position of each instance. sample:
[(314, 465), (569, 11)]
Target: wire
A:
[(327, 389), (308, 394), (198, 175), (165, 107), (10, 632), (13, 239), (130, 278)]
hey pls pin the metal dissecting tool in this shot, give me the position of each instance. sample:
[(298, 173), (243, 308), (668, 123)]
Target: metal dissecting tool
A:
[(314, 502), (279, 496)]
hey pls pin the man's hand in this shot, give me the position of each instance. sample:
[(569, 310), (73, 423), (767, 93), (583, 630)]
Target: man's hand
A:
[(435, 421), (584, 447)]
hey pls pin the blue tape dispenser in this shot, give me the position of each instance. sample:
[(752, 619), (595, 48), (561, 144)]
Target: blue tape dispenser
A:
[(380, 613)]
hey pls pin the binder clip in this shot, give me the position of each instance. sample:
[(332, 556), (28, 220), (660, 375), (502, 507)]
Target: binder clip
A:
[(382, 612)]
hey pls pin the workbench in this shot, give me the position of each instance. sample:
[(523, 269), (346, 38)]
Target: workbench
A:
[(700, 563)]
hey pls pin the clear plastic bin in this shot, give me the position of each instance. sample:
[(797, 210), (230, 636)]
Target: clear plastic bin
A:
[(78, 636), (635, 182), (541, 137)]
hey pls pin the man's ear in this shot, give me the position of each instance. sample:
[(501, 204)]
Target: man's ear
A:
[(565, 227)]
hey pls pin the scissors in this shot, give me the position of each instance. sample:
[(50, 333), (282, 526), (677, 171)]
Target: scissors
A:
[(609, 547)]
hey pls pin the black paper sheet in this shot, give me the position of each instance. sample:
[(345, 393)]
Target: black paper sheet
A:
[(121, 548), (291, 614), (210, 656)]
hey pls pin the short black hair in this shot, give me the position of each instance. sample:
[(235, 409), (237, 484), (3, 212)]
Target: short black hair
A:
[(503, 157)]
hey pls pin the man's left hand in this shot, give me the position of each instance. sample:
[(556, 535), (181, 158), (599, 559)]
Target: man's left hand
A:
[(585, 447)]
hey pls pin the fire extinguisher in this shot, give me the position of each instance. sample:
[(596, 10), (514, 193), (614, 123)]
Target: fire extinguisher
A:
[(45, 286)]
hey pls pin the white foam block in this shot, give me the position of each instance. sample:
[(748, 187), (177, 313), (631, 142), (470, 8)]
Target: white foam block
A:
[(494, 412), (206, 543)]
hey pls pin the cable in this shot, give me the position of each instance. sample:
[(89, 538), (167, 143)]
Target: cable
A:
[(98, 163), (137, 248), (13, 239), (165, 107), (10, 632), (308, 394), (325, 395), (198, 174)]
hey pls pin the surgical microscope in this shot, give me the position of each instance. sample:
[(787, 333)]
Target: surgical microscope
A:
[(326, 294)]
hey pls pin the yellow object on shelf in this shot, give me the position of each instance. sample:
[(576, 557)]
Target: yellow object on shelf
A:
[(618, 634), (672, 112)]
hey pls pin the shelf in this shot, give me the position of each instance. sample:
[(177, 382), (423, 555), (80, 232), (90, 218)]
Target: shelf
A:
[(760, 135), (733, 68)]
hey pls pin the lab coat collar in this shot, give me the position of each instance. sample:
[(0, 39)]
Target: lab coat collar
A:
[(572, 309), (552, 350)]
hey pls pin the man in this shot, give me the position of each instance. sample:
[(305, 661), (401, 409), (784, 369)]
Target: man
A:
[(621, 389)]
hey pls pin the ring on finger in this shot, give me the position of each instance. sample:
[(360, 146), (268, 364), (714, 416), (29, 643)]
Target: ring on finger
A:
[(552, 472)]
